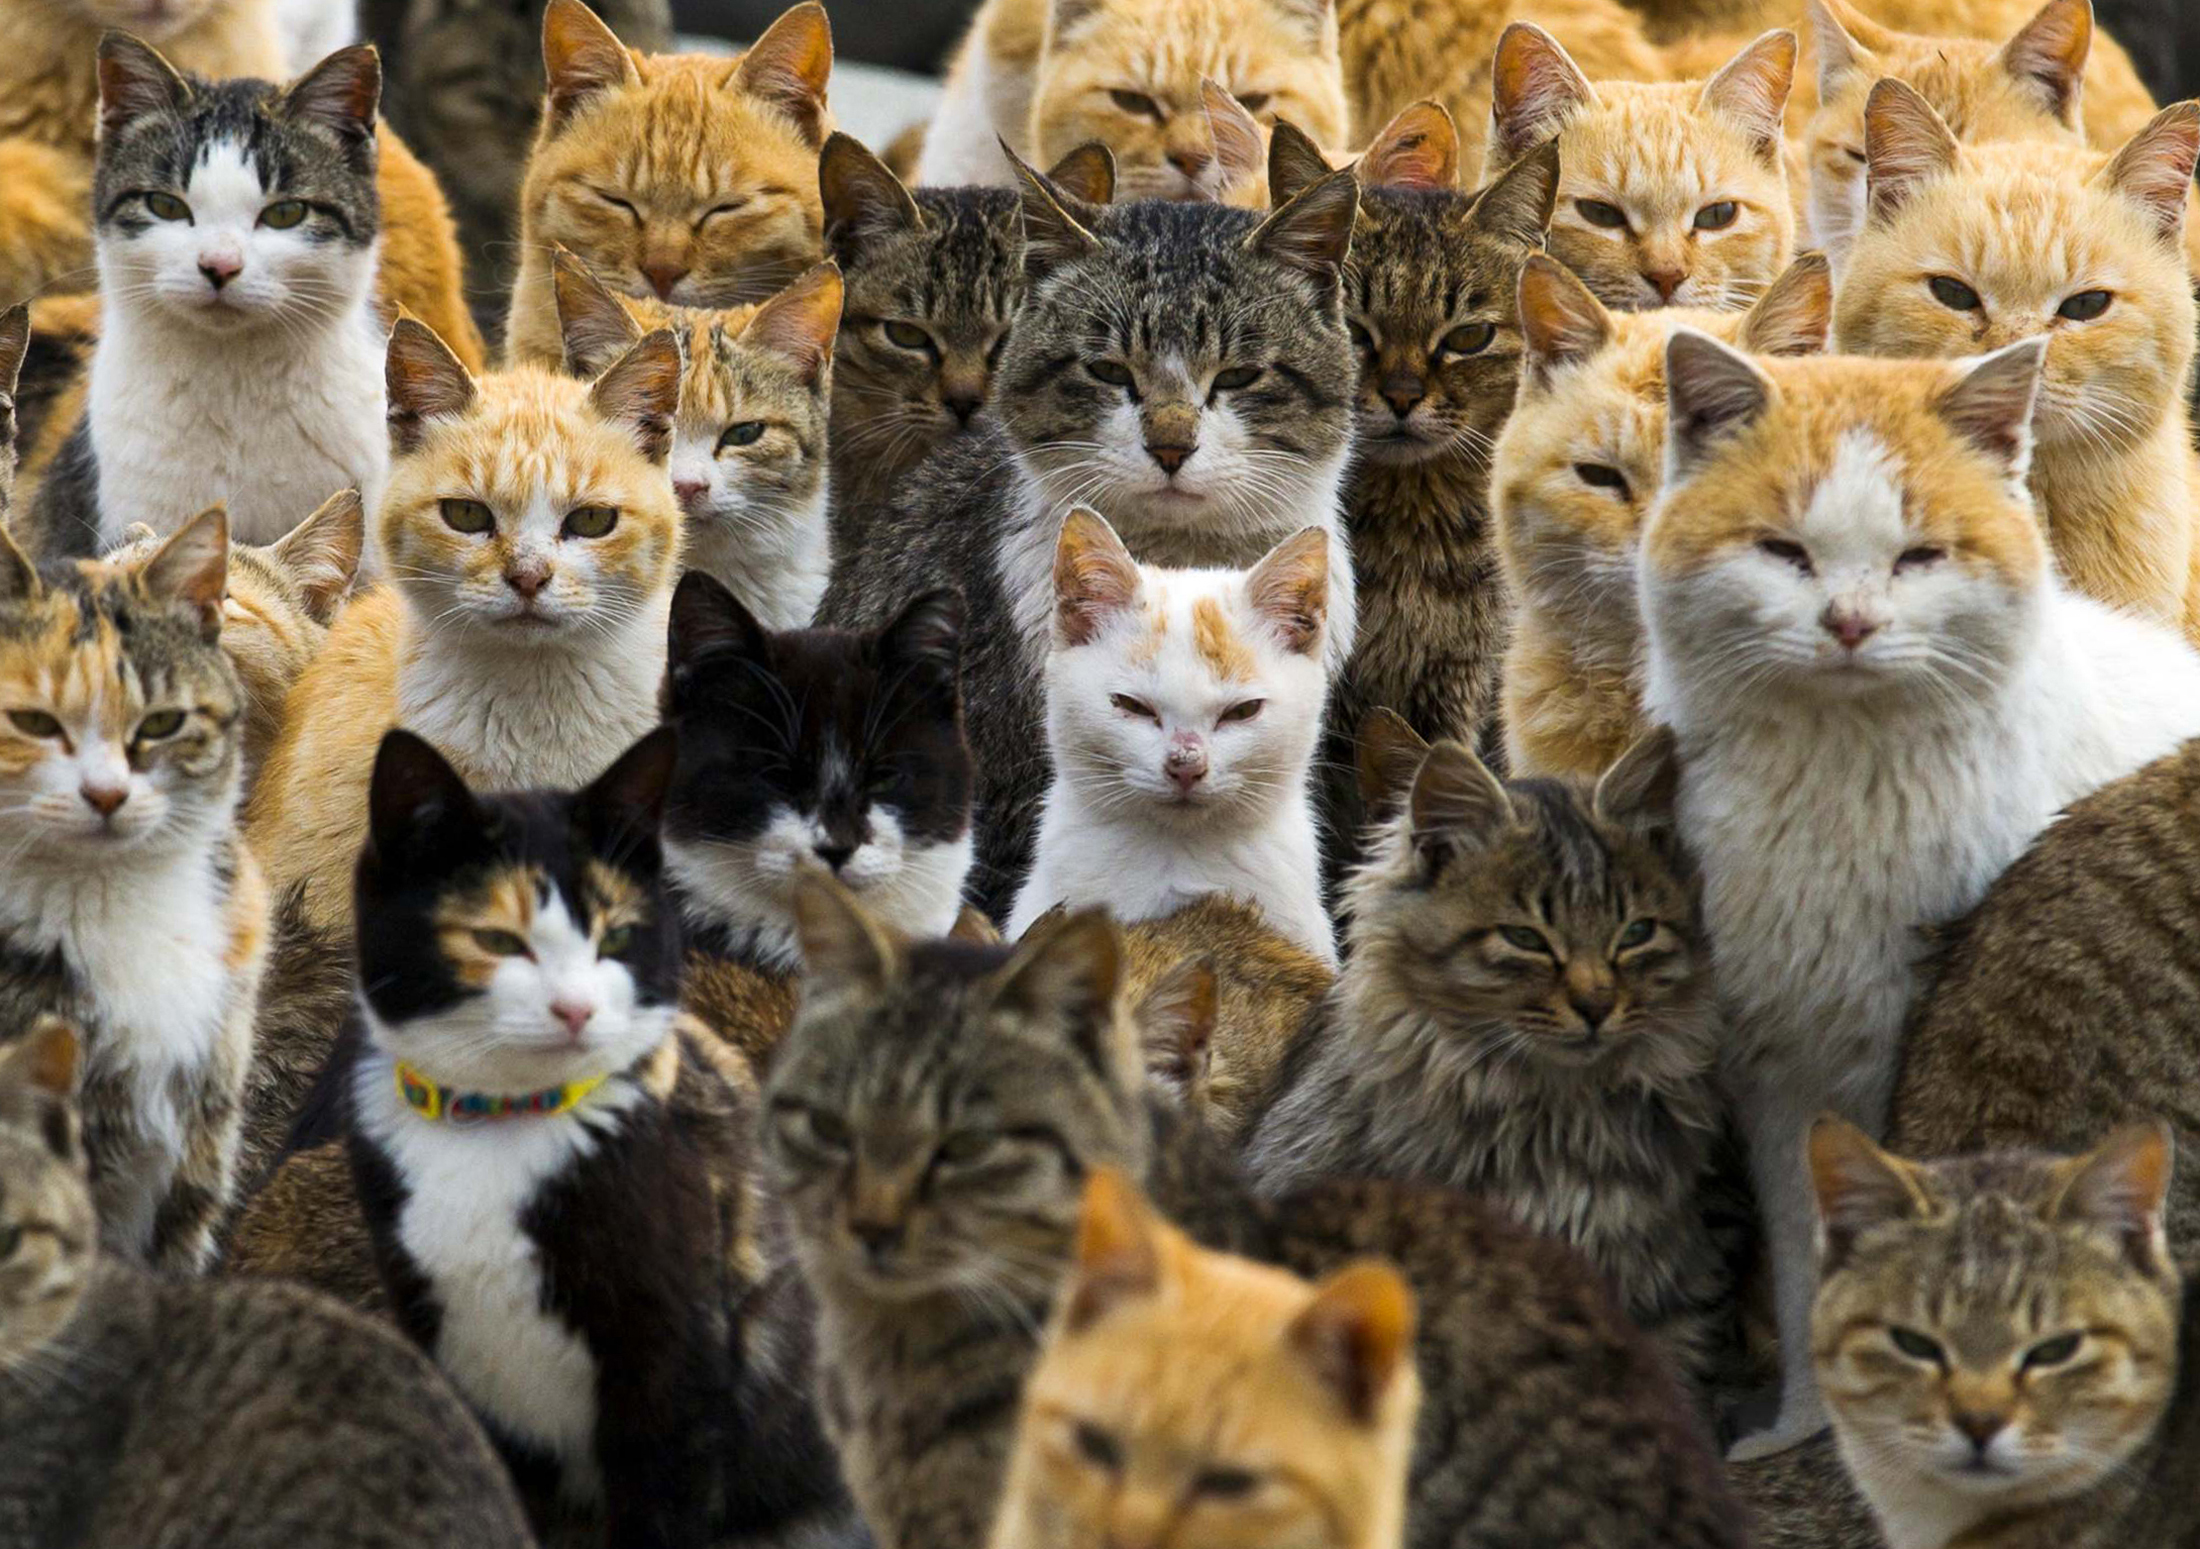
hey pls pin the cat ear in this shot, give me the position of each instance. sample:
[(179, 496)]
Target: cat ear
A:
[(1313, 232), (192, 568), (135, 81), (1052, 234), (1418, 150), (1905, 144), (2122, 1187), (708, 624), (1289, 589), (417, 804), (1062, 15), (18, 576), (863, 199), (1858, 1186), (1455, 800), (322, 552), (1239, 149), (424, 380), (1751, 91), (1087, 173), (1643, 782), (1176, 1023), (1840, 55), (1561, 322), (1709, 391), (925, 642), (1118, 1251), (1358, 1335), (1519, 204), (790, 65), (973, 927), (596, 327), (1094, 576), (642, 389), (2155, 167), (621, 808), (2048, 55), (1990, 405), (844, 948), (580, 58), (1795, 314), (1386, 755), (1295, 163), (341, 94), (38, 1084), (1069, 977), (1535, 87), (801, 322)]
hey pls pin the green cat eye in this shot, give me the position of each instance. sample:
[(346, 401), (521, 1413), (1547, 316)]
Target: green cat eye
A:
[(1226, 1484), (1243, 710), (1526, 940), (742, 433), (2085, 306), (1596, 212), (1236, 377), (161, 723), (283, 215), (34, 723), (469, 516), (1636, 933), (1110, 372), (1717, 217), (167, 207), (1138, 104), (615, 940), (2052, 1352), (1099, 1448), (909, 336), (591, 521), (1918, 1347), (500, 943), (1469, 339), (1953, 294)]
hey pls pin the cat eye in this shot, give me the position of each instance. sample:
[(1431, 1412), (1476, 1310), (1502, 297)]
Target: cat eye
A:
[(1471, 339), (1918, 558), (1098, 1447), (1137, 707), (962, 1150), (1138, 104), (1243, 710), (1225, 1484), (468, 516), (1953, 294), (501, 943), (167, 207), (1717, 217), (1918, 1347), (1252, 101), (1361, 339), (2052, 1352), (617, 203), (2085, 306), (1637, 933), (615, 940), (161, 723), (1526, 940), (34, 723), (717, 210), (743, 433), (1236, 377), (283, 215), (828, 1129), (1603, 476), (1788, 553), (1856, 156), (1109, 372), (11, 1238), (591, 521), (909, 336), (1597, 213)]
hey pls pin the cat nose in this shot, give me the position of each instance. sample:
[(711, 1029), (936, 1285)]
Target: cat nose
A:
[(1402, 390), (1666, 281), (962, 405), (528, 580), (833, 853), (573, 1013), (104, 799), (1185, 764), (1851, 626), (689, 492), (1171, 455), (220, 268), (663, 275), (879, 1239), (1593, 1006), (1981, 1425)]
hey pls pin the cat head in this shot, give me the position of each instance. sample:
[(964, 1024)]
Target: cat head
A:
[(936, 1107), (235, 205), (816, 750), (1130, 74), (1238, 1403), (1839, 529), (1670, 195), (15, 340), (49, 1235), (2025, 89), (1967, 247), (688, 177), (513, 942), (527, 509), (1994, 1332), (1194, 696), (120, 714)]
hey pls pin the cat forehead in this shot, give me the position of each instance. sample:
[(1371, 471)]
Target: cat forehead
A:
[(87, 632), (1188, 623), (2025, 215), (532, 433), (1179, 43), (687, 127), (964, 264), (1415, 249), (235, 119), (1648, 141)]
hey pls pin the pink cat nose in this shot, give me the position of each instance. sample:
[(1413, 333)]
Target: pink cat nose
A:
[(689, 492), (662, 276), (1851, 626), (1185, 764), (220, 268), (106, 800), (1666, 281), (573, 1013), (528, 580)]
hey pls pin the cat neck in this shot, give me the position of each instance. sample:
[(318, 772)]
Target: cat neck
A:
[(177, 883), (406, 1102), (774, 558)]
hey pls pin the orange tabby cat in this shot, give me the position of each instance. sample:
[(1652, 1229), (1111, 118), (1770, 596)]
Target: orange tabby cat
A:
[(1193, 1400), (689, 177)]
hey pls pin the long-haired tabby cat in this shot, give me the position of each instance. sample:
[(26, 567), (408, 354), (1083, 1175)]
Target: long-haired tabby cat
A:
[(1883, 691), (689, 177), (140, 1409), (1970, 246), (1223, 1402)]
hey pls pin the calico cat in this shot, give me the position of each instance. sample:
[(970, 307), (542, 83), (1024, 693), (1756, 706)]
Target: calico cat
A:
[(1967, 245), (1673, 194), (748, 440), (1183, 712), (688, 177), (522, 629), (1998, 1338), (1882, 692), (1573, 477), (142, 1410), (132, 910), (1232, 1402), (239, 341)]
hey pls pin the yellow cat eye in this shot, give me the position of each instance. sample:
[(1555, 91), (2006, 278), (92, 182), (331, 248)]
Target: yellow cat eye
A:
[(283, 215), (1109, 372), (591, 521), (34, 723), (615, 940), (167, 207), (468, 516), (1717, 217), (1596, 212), (1469, 339), (161, 723), (908, 336), (500, 943), (1138, 104)]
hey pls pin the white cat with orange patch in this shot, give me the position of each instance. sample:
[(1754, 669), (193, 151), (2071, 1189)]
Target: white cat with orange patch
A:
[(1183, 711)]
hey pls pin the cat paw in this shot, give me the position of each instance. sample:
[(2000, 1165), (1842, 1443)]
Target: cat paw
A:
[(1783, 1436)]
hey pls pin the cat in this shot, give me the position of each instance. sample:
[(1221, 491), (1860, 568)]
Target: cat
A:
[(1575, 471), (688, 177), (1201, 447), (748, 454), (1214, 1400), (931, 1122), (822, 749), (1998, 1339), (1037, 78), (15, 341), (1183, 713), (522, 628), (1973, 245), (1672, 194), (1882, 692), (140, 1409), (132, 909), (530, 1131)]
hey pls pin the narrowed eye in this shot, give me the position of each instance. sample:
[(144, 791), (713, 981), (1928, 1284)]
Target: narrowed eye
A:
[(1918, 1347), (909, 336), (1856, 156), (1243, 710), (1138, 104), (1637, 933), (743, 433), (1113, 373), (468, 516), (617, 203), (963, 1149), (167, 207), (1603, 476), (1788, 553), (161, 723), (1470, 339), (2052, 1352), (1919, 557), (715, 211), (1362, 340), (34, 723), (1226, 1484), (1236, 377), (1717, 217), (1099, 1448), (1137, 707), (1252, 101), (615, 940), (1597, 213), (2085, 306), (1953, 294), (591, 521), (501, 943), (1526, 940), (284, 214)]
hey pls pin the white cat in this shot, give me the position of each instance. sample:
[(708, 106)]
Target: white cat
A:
[(1882, 693), (1183, 711)]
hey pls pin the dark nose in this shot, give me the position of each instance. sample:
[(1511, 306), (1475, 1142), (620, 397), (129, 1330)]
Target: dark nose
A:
[(1190, 162), (962, 405), (879, 1238), (834, 853), (1982, 1426), (106, 800), (220, 271), (662, 276), (1170, 455), (1403, 391), (1666, 281), (1594, 1007)]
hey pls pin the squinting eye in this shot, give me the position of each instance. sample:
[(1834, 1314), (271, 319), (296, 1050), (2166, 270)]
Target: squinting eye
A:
[(746, 433), (161, 723), (284, 215), (615, 940), (1597, 213), (1856, 156), (1252, 101), (909, 336), (1918, 558), (2051, 1352), (2085, 306), (1953, 294), (591, 521), (1225, 1484), (1243, 710), (1361, 338), (1137, 103), (1137, 707), (957, 1150), (1100, 1449), (11, 1238), (1108, 371), (34, 723), (1918, 1347), (1472, 339), (619, 204), (500, 943), (1525, 939), (1791, 553), (167, 207), (468, 516), (1236, 377), (1602, 476), (1717, 217), (1636, 933)]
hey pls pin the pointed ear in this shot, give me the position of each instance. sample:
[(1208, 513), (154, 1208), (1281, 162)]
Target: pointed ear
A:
[(597, 329), (415, 801), (580, 58), (1118, 1251), (1070, 977), (18, 576), (844, 947), (2048, 55), (1455, 800), (1751, 91), (1858, 1186), (15, 343), (863, 199), (1561, 323), (2155, 166), (1519, 204), (790, 65), (1386, 755), (1295, 163), (708, 625), (1795, 314), (2122, 1188), (1535, 87), (342, 94), (1239, 148), (192, 568), (322, 552), (1710, 390), (1289, 589), (620, 810), (1053, 236), (1417, 150), (642, 390), (1840, 55), (1176, 1022), (1094, 577), (925, 642), (1905, 145), (425, 381), (1643, 782), (1990, 405), (1358, 1335), (1313, 232), (1087, 174), (801, 322), (135, 81)]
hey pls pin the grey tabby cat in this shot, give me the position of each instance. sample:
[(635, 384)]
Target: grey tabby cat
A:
[(1526, 1015), (931, 1120), (140, 1412)]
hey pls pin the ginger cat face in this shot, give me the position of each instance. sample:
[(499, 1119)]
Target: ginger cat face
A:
[(1669, 195)]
